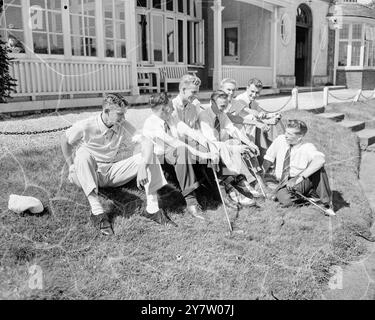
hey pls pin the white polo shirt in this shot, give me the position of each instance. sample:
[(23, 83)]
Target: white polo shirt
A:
[(301, 156), (102, 142)]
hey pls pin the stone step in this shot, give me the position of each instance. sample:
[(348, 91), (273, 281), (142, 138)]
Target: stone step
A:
[(353, 125), (337, 117), (366, 137), (315, 110)]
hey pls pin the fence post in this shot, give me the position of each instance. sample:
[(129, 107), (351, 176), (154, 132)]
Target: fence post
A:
[(325, 96), (356, 98), (295, 98)]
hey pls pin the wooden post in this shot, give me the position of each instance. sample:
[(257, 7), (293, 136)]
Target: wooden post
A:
[(325, 96), (295, 98), (356, 98)]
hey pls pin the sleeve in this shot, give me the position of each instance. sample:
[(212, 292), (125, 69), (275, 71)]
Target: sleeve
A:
[(184, 129), (75, 133), (312, 152), (157, 135), (272, 150), (206, 129)]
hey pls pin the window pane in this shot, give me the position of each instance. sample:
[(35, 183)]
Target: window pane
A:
[(142, 46), (13, 16), (121, 49), (90, 46), (40, 3), (188, 7), (110, 48), (54, 22), (190, 44), (344, 32), (343, 53), (170, 5), (231, 42), (142, 3), (120, 30), (108, 25), (170, 40), (54, 4), (77, 46), (357, 31), (75, 6), (120, 10), (76, 25), (90, 26), (56, 43), (13, 2), (15, 41), (181, 6), (89, 7), (356, 53), (108, 8), (40, 42), (158, 38), (156, 4), (180, 41)]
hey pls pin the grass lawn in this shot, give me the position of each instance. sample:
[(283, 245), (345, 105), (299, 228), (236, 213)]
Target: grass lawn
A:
[(363, 110), (284, 253)]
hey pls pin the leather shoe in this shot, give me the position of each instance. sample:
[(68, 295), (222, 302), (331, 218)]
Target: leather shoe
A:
[(160, 217), (102, 222), (195, 211)]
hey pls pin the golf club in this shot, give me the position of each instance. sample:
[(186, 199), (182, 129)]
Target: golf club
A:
[(328, 212)]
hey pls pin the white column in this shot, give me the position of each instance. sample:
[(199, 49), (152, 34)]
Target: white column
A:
[(66, 29), (100, 41), (218, 48), (28, 33), (336, 57), (131, 44), (274, 44)]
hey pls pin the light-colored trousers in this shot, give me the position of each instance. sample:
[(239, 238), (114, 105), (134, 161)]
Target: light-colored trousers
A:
[(89, 174)]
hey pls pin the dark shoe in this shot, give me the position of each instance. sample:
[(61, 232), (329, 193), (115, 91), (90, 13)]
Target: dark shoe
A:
[(245, 188), (195, 211), (102, 222), (160, 217)]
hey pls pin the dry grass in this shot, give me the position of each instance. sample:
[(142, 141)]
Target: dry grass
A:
[(284, 251)]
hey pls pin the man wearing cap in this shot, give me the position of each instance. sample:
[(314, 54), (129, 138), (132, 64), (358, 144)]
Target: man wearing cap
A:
[(95, 164)]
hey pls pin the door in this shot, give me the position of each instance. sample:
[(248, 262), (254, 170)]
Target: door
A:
[(231, 43), (301, 55)]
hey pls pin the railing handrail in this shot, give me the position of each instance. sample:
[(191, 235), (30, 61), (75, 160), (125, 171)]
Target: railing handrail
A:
[(28, 60), (227, 66)]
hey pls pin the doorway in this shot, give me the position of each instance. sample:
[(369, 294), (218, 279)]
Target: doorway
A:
[(303, 46)]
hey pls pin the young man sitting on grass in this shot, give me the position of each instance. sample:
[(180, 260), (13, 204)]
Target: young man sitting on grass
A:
[(232, 145), (167, 133), (299, 166), (95, 164)]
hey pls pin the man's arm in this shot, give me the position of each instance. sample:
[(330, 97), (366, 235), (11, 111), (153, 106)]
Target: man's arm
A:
[(67, 150), (237, 134), (147, 159)]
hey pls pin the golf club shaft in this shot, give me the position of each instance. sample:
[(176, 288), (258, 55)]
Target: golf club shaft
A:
[(247, 156), (312, 202), (222, 199)]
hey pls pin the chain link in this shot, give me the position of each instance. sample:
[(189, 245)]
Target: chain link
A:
[(342, 99), (29, 133), (278, 110), (367, 98)]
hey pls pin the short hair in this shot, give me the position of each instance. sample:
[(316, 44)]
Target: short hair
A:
[(188, 80), (297, 124), (228, 80), (256, 82), (158, 99), (114, 100), (218, 94)]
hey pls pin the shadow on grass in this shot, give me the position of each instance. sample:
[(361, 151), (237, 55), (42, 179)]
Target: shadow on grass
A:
[(338, 201)]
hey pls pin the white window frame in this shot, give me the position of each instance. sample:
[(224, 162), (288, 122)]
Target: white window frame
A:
[(228, 25), (153, 15), (45, 12)]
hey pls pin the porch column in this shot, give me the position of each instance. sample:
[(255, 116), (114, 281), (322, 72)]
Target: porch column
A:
[(131, 44), (274, 54), (27, 29), (218, 72)]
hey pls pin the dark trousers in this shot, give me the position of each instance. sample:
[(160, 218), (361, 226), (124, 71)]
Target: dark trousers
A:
[(179, 162), (316, 185)]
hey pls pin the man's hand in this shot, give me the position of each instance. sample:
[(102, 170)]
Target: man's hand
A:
[(293, 182), (252, 148), (142, 177), (263, 126)]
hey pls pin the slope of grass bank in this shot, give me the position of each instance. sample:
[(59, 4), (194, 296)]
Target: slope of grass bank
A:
[(280, 252)]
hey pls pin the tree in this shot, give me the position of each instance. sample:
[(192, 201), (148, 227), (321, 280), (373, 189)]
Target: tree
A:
[(7, 83)]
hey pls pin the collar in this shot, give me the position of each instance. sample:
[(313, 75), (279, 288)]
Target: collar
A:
[(213, 114), (179, 103), (103, 128)]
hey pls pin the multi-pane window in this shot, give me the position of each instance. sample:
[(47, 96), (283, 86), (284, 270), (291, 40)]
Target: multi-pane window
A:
[(11, 26), (114, 28), (370, 46), (350, 45), (172, 34), (47, 30), (83, 27)]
